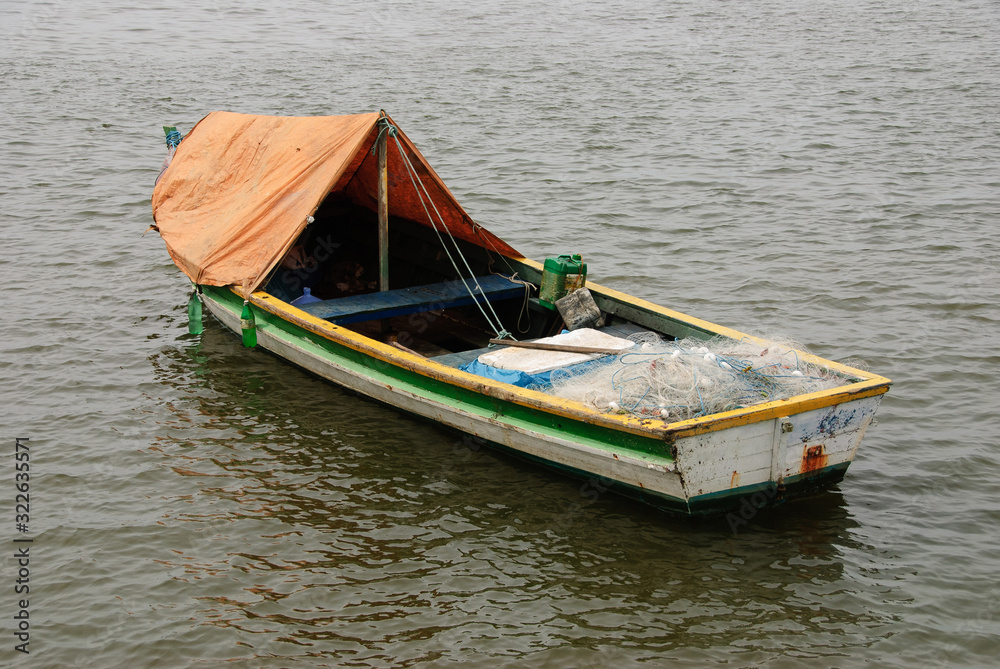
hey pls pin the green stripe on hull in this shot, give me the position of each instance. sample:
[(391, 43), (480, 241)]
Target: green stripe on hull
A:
[(599, 484), (732, 500), (516, 415)]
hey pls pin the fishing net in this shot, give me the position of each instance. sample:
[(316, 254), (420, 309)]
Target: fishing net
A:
[(688, 378)]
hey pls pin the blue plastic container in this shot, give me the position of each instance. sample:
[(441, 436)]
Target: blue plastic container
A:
[(305, 298)]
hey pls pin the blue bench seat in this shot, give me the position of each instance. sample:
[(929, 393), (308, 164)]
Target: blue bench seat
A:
[(403, 301)]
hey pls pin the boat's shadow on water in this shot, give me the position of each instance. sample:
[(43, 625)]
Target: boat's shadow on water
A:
[(353, 485)]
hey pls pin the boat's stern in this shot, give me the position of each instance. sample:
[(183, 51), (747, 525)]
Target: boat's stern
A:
[(765, 462)]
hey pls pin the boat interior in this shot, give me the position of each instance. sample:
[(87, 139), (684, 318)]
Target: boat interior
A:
[(428, 309), (449, 300)]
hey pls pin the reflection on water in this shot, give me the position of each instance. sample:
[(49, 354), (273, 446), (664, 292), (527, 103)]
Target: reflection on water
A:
[(327, 522)]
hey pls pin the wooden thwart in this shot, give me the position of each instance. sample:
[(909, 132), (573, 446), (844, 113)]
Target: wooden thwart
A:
[(562, 348), (418, 299)]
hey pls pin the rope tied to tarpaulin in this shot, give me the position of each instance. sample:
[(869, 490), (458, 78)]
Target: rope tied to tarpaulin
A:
[(495, 323), (384, 128), (173, 139)]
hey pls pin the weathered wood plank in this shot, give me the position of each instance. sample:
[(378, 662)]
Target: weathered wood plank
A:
[(565, 348), (403, 301), (736, 478)]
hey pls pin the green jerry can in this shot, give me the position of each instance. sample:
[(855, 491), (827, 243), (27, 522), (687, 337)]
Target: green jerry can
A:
[(560, 277)]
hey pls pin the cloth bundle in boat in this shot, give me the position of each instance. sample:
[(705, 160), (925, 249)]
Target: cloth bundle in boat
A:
[(530, 367), (535, 361)]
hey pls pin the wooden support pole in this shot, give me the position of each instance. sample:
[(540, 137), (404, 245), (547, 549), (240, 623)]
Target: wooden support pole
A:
[(383, 213)]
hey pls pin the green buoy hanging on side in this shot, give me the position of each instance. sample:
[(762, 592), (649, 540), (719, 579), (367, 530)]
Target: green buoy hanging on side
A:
[(194, 312), (248, 325)]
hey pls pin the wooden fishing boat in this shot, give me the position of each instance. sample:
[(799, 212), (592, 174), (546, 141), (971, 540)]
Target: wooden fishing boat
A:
[(407, 291)]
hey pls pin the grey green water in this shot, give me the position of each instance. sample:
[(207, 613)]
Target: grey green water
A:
[(823, 170)]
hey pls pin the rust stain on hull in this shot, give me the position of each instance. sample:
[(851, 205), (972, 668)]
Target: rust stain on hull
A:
[(813, 458), (735, 480)]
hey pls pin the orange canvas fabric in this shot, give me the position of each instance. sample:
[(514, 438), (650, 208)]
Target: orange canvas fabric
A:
[(241, 187)]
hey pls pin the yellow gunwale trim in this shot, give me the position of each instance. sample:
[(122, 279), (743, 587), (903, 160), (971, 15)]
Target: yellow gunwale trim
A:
[(871, 385), (435, 370), (722, 330)]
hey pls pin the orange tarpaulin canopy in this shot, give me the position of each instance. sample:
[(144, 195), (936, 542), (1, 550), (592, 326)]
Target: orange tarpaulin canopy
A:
[(241, 188)]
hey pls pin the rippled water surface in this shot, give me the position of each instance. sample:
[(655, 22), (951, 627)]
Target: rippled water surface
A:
[(824, 170)]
